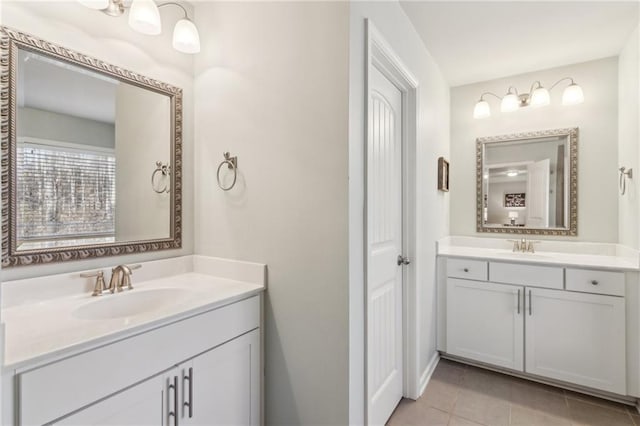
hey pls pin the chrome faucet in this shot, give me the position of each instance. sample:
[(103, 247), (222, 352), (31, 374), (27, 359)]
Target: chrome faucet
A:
[(121, 277)]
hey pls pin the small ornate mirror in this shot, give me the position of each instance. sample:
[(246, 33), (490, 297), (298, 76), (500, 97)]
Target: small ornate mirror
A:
[(91, 156), (527, 183)]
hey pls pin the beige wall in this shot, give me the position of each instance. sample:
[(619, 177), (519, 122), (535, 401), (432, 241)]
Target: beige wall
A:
[(272, 88), (74, 26), (597, 119), (628, 139)]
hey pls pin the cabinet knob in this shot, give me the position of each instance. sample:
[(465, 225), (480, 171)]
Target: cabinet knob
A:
[(466, 269), (594, 282)]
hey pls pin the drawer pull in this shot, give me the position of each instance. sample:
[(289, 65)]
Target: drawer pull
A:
[(530, 304), (518, 301), (174, 413), (190, 403), (594, 282), (466, 269)]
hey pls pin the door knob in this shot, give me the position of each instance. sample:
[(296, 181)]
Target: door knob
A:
[(403, 260)]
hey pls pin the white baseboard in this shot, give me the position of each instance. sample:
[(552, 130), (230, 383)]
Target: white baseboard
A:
[(428, 372)]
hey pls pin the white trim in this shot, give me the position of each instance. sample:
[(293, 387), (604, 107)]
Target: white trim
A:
[(425, 378), (380, 55)]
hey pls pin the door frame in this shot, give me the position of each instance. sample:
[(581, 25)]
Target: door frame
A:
[(380, 55)]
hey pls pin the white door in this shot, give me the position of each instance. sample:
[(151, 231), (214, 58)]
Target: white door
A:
[(384, 244), (485, 322), (222, 386), (140, 405), (537, 199), (577, 338)]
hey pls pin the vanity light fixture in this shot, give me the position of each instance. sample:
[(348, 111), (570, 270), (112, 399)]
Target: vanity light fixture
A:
[(538, 96), (144, 17)]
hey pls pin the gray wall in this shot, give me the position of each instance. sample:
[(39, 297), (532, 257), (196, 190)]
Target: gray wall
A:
[(272, 88), (597, 119), (52, 126)]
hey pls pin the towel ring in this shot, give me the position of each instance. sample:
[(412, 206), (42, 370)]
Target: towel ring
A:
[(624, 174), (164, 170), (232, 164)]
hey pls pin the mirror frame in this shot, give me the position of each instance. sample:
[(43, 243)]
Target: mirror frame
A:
[(572, 137), (12, 40)]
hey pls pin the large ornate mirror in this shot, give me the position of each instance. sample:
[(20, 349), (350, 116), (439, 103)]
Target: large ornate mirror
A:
[(91, 156), (527, 183)]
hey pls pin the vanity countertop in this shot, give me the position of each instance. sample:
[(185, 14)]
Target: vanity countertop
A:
[(580, 255), (45, 330)]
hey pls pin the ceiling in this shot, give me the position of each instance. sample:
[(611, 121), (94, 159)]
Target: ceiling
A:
[(476, 41), (51, 85)]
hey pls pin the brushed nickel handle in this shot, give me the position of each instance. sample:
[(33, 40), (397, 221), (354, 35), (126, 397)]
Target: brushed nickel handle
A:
[(190, 403), (403, 260), (174, 413), (530, 304), (594, 282), (518, 301)]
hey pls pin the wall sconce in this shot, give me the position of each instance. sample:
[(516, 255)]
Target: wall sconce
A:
[(538, 96), (144, 17)]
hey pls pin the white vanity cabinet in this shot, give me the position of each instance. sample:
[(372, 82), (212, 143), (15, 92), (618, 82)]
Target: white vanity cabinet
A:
[(204, 369), (577, 338), (485, 322), (218, 387), (564, 324)]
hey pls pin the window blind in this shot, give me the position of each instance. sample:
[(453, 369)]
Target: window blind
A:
[(64, 192)]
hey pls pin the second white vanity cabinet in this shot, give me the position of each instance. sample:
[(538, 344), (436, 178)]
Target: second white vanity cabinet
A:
[(577, 338), (531, 321)]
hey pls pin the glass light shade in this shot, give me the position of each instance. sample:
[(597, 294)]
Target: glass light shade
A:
[(185, 37), (539, 97), (481, 110), (572, 95), (144, 17), (95, 4), (510, 103), (512, 173)]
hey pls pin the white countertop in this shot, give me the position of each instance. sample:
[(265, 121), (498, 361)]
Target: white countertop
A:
[(46, 330), (584, 255)]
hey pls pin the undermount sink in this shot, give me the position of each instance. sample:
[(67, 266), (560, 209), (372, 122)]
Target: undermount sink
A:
[(130, 303), (522, 255)]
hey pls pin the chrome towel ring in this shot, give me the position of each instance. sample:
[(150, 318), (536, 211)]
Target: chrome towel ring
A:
[(164, 170), (624, 174), (232, 164)]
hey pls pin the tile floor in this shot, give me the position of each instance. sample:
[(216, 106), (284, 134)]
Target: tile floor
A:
[(460, 395)]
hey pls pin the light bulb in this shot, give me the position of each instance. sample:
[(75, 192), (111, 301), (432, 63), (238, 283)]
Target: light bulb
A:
[(510, 102), (512, 173), (481, 109), (144, 17), (539, 97), (95, 4), (572, 95), (185, 37)]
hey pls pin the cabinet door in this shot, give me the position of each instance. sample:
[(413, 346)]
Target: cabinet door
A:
[(577, 338), (485, 322), (222, 386), (140, 405)]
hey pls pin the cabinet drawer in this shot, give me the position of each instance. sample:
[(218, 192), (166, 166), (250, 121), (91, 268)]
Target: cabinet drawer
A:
[(54, 390), (527, 275), (592, 281), (465, 268)]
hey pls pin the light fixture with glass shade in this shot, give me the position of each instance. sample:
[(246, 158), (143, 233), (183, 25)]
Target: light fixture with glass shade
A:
[(144, 17), (538, 96)]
